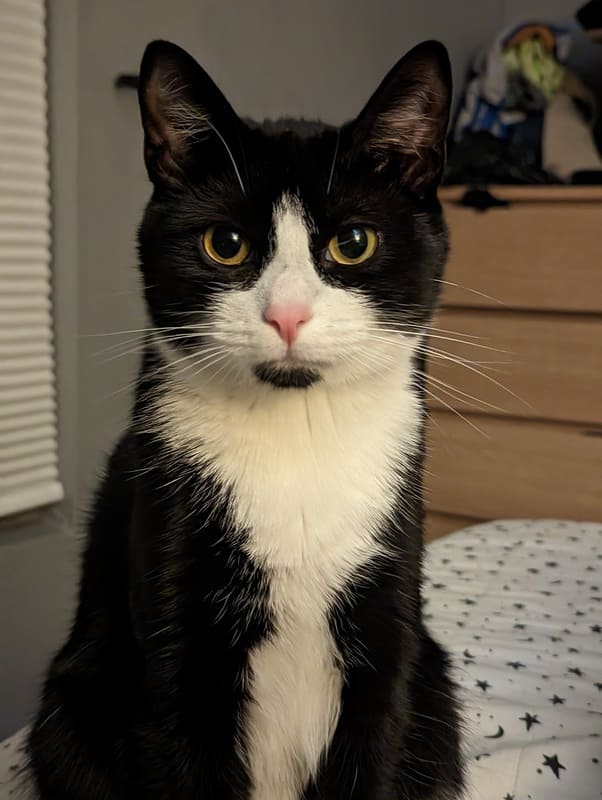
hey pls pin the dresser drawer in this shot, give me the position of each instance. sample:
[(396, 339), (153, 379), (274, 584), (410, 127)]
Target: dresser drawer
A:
[(514, 469), (540, 252), (549, 364)]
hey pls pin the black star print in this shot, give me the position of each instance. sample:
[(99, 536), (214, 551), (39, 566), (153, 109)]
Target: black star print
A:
[(439, 586), (484, 685), (553, 763), (576, 671), (530, 720), (516, 665), (556, 700), (519, 626), (509, 797), (596, 629), (551, 563)]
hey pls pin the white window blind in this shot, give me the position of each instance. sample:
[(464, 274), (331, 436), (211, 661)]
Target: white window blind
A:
[(28, 431)]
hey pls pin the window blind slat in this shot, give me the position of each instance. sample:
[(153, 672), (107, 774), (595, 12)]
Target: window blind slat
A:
[(42, 491), (24, 394), (28, 469), (15, 349), (26, 301), (23, 424), (10, 321), (12, 380), (14, 453), (9, 336), (26, 365), (28, 436), (13, 413), (20, 261), (25, 286), (24, 437)]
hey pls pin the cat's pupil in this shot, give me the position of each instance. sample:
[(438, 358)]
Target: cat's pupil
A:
[(352, 242), (226, 242)]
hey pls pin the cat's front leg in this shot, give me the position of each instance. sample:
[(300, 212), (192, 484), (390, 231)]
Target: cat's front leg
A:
[(361, 765), (398, 735), (76, 746)]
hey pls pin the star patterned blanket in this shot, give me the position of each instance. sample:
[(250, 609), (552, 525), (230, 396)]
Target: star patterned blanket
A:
[(519, 605)]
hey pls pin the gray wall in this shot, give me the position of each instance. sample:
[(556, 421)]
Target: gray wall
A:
[(271, 57), (38, 557)]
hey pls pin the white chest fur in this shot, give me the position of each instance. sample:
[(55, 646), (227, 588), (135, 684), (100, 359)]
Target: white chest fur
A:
[(312, 475)]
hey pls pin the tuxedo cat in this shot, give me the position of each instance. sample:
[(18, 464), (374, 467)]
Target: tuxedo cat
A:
[(249, 622)]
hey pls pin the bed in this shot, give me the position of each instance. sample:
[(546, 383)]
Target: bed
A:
[(519, 605)]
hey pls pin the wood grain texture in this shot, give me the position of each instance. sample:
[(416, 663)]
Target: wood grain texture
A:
[(437, 525), (518, 469), (541, 256), (553, 362), (531, 194)]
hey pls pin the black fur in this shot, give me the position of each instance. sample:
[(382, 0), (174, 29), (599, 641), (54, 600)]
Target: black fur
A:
[(144, 699)]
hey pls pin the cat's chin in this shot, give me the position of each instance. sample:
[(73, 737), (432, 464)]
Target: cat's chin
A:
[(286, 377)]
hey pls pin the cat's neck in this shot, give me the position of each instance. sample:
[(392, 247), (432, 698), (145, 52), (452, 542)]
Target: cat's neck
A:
[(313, 474), (266, 420)]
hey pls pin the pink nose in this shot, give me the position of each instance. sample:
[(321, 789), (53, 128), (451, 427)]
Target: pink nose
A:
[(287, 320)]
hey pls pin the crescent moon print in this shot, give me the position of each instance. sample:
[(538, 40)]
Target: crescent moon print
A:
[(498, 735), (534, 699)]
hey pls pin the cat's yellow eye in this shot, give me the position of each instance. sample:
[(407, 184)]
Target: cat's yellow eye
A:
[(225, 245), (353, 245)]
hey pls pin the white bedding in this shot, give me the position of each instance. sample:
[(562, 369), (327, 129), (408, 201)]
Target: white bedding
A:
[(519, 605)]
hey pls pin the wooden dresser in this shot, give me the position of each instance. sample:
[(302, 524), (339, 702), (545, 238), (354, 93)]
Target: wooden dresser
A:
[(524, 294)]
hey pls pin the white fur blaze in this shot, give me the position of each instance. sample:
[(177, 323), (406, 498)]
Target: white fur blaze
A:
[(313, 475)]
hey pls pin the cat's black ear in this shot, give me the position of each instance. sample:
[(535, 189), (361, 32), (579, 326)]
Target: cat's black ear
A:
[(407, 116), (180, 106)]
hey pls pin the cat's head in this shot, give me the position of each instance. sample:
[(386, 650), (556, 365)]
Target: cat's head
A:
[(288, 257)]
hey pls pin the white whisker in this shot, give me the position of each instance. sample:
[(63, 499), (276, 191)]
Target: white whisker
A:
[(457, 413), (472, 291)]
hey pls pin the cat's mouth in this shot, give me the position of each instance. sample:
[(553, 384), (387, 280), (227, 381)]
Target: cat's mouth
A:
[(286, 376)]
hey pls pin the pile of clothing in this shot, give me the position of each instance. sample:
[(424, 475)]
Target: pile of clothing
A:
[(525, 116)]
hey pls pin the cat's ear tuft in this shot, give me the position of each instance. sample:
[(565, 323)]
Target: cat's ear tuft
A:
[(180, 105), (407, 116)]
